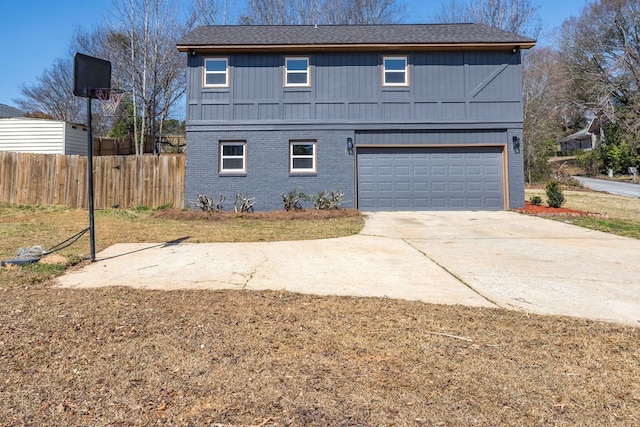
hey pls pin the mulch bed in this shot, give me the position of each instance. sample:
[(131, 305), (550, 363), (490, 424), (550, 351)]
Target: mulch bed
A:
[(544, 210), (304, 214)]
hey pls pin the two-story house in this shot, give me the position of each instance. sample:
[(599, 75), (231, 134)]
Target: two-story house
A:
[(398, 117)]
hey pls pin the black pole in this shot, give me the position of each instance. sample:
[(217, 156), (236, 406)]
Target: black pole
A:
[(92, 237)]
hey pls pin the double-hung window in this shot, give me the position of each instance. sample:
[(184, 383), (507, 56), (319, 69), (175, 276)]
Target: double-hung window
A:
[(216, 72), (296, 71), (395, 71), (302, 156), (233, 157)]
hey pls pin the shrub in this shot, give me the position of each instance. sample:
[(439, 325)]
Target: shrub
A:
[(243, 203), (293, 199), (208, 203), (590, 161), (535, 200), (328, 200), (555, 198)]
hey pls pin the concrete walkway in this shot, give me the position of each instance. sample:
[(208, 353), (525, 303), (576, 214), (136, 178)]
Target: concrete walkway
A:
[(482, 259)]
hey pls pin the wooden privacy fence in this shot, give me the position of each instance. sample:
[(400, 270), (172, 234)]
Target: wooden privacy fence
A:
[(122, 181), (123, 146)]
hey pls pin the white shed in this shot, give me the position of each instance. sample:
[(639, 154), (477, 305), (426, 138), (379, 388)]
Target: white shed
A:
[(27, 135)]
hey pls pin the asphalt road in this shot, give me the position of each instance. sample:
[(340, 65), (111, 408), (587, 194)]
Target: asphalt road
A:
[(612, 187)]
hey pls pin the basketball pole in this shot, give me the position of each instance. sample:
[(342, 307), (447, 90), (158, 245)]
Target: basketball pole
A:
[(92, 237)]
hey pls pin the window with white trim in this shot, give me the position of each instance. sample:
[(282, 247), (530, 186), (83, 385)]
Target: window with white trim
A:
[(395, 71), (233, 157), (216, 72), (302, 156), (296, 71)]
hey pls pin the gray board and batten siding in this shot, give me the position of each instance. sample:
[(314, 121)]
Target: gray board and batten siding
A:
[(464, 93)]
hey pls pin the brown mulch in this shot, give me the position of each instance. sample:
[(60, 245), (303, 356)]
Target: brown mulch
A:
[(545, 210), (304, 214)]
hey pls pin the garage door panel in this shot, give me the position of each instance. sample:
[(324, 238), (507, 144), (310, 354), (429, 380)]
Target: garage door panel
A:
[(403, 186), (403, 170), (410, 178)]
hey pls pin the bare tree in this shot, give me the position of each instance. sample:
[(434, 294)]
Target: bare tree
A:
[(547, 112), (516, 16), (211, 12), (282, 12), (52, 94), (364, 12), (325, 12), (452, 12), (601, 52), (142, 44)]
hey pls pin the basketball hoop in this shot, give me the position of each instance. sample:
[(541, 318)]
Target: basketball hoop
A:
[(109, 100)]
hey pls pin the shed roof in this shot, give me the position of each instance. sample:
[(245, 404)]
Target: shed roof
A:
[(310, 37), (9, 111)]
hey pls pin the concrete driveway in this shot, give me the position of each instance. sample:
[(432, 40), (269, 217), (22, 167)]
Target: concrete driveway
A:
[(482, 259)]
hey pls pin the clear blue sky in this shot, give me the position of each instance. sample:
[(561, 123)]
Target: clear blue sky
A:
[(35, 33)]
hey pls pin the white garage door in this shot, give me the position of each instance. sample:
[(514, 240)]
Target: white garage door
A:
[(397, 178)]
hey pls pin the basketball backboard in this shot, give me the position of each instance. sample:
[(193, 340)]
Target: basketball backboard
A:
[(89, 74)]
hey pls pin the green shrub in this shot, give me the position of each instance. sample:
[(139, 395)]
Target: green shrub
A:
[(555, 198), (535, 200), (590, 161)]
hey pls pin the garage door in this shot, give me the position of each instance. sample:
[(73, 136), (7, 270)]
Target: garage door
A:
[(465, 178)]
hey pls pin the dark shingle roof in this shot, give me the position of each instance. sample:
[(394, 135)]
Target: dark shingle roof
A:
[(7, 111), (343, 36)]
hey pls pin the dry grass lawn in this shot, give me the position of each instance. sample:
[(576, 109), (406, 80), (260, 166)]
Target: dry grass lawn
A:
[(120, 357)]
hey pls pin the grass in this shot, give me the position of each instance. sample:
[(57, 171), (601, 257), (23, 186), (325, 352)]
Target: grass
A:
[(120, 356), (622, 213)]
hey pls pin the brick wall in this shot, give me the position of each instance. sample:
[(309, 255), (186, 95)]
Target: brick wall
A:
[(267, 177)]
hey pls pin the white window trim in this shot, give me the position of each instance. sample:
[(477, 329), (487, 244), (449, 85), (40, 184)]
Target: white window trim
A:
[(225, 72), (307, 72), (313, 157), (223, 157), (406, 70)]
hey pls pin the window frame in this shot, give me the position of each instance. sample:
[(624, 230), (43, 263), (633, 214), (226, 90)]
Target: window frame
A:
[(313, 157), (225, 72), (405, 58), (222, 157), (307, 72)]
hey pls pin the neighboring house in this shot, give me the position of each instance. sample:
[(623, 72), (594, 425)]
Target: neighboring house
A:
[(581, 140), (398, 117), (26, 135), (588, 138), (9, 111)]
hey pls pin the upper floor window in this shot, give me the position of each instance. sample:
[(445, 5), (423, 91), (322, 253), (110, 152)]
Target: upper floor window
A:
[(296, 71), (395, 71), (302, 157), (216, 72), (233, 157)]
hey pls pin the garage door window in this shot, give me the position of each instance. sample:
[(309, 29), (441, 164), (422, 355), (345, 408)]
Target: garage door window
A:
[(302, 157)]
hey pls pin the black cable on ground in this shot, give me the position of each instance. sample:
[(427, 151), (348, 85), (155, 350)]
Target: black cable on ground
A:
[(71, 241), (32, 256)]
